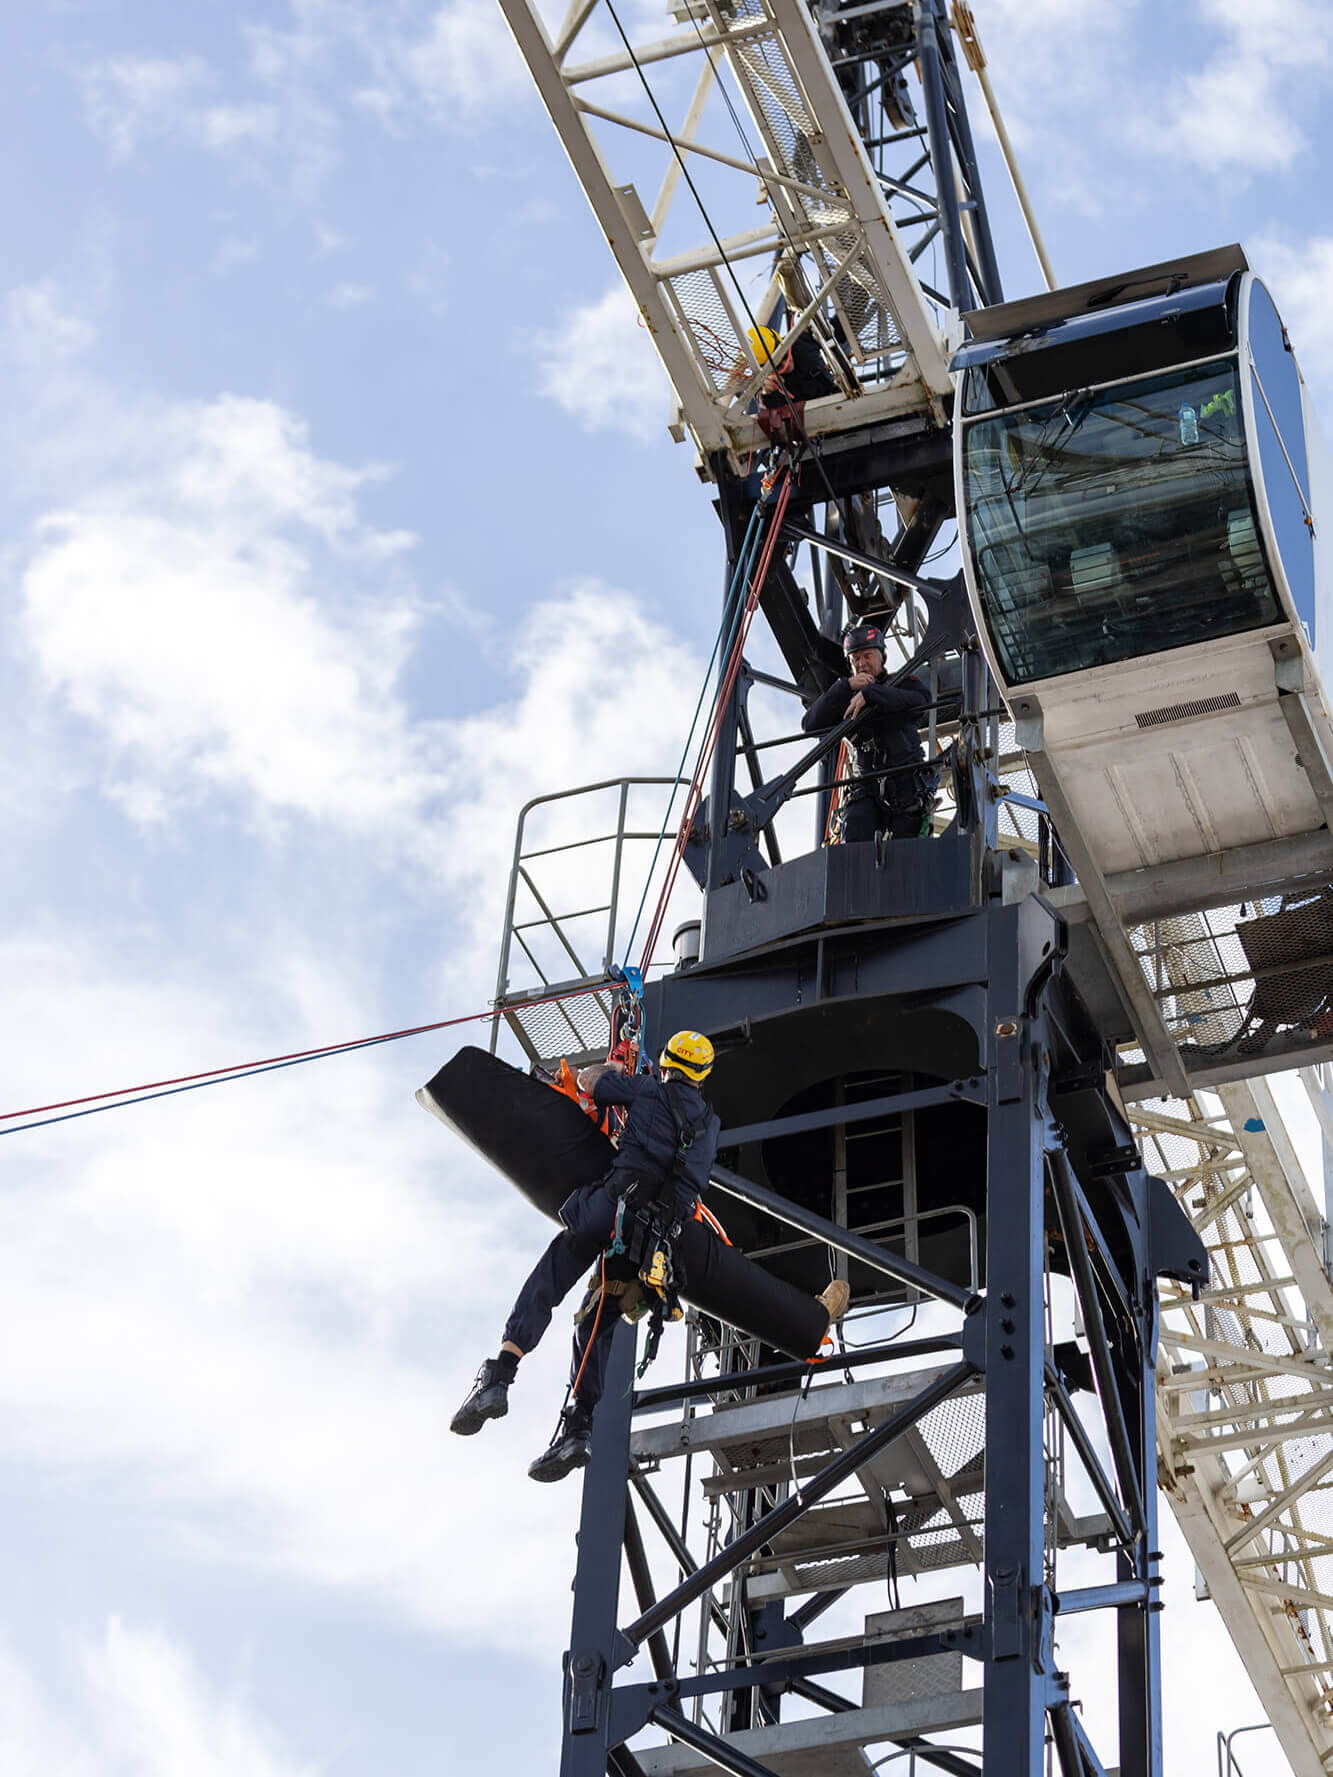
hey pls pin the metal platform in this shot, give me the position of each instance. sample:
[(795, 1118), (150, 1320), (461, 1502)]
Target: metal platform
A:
[(828, 1746)]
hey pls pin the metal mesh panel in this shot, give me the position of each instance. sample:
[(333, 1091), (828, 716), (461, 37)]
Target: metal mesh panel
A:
[(1243, 975), (717, 343), (791, 135), (955, 1433), (578, 1027)]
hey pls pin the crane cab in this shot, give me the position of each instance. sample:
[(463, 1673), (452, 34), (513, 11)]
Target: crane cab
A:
[(1138, 475)]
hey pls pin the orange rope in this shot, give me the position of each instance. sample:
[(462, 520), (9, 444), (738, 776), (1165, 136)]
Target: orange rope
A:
[(835, 800), (592, 1338)]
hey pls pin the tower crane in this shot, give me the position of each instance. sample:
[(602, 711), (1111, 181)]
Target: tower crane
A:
[(1019, 1055)]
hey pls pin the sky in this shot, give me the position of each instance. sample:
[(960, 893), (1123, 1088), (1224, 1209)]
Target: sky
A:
[(337, 519)]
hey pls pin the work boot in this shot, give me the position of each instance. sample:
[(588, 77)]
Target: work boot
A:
[(489, 1400), (570, 1448), (835, 1298)]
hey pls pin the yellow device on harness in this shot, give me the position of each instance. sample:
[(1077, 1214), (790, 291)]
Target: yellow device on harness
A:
[(656, 1276)]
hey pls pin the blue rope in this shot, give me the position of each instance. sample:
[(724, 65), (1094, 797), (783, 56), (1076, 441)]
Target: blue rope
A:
[(726, 633), (198, 1085)]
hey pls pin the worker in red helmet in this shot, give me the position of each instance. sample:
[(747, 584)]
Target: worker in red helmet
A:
[(893, 788)]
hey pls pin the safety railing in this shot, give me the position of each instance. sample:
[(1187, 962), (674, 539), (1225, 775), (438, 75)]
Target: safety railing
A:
[(582, 857), (1227, 1763), (898, 1234)]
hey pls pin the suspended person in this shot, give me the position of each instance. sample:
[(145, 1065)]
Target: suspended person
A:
[(664, 1159), (892, 789)]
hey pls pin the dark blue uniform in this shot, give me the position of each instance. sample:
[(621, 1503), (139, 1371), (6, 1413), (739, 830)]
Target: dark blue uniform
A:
[(646, 1157), (886, 753), (648, 1146)]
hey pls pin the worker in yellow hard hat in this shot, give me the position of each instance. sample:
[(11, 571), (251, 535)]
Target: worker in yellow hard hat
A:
[(763, 343), (795, 374), (663, 1162)]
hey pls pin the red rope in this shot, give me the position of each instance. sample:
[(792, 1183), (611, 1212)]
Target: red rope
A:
[(234, 1067), (694, 795)]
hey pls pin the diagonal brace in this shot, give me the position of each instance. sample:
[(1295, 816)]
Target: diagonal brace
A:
[(717, 1751), (869, 1252), (1087, 1455), (1071, 1222), (773, 1523)]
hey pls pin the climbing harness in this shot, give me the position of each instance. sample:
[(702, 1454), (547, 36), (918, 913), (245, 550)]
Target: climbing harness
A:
[(647, 1219)]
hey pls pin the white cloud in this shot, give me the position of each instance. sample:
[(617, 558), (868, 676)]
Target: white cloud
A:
[(218, 666), (142, 1709), (468, 58), (1241, 111), (42, 328), (130, 99), (1045, 56), (160, 1719), (350, 296), (174, 610), (222, 126), (612, 698), (600, 367), (36, 1739), (252, 1309), (1300, 276)]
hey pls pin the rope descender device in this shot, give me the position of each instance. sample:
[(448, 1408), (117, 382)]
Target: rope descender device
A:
[(627, 1019)]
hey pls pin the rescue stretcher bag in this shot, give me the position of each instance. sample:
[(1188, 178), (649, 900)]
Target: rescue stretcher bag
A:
[(545, 1145)]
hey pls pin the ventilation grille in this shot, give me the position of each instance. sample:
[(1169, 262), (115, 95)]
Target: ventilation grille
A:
[(1176, 712)]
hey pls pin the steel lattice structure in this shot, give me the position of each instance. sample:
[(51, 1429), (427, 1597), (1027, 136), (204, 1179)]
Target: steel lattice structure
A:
[(940, 1062)]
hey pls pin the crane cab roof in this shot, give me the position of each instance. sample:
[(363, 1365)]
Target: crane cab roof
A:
[(1035, 314)]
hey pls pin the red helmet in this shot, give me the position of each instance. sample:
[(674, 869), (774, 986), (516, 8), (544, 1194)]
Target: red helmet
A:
[(865, 634)]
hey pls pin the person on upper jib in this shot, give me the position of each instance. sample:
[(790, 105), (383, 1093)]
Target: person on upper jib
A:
[(892, 786)]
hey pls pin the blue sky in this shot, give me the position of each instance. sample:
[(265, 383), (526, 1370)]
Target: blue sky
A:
[(337, 518)]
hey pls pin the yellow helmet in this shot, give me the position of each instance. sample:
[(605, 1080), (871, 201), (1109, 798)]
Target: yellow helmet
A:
[(764, 342), (690, 1053)]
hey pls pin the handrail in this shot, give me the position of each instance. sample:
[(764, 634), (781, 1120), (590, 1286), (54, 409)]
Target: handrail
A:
[(518, 873)]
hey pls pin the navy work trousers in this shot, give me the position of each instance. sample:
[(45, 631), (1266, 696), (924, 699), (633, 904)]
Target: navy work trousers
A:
[(589, 1216)]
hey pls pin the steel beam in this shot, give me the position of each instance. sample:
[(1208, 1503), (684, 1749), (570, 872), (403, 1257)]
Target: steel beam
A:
[(589, 1663), (1108, 1386), (1087, 1454), (819, 1485), (713, 1747), (832, 1234), (769, 1375), (1018, 1613)]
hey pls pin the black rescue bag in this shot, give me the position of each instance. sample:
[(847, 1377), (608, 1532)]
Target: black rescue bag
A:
[(545, 1145)]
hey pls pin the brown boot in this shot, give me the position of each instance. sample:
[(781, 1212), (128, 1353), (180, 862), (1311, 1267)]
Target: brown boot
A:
[(835, 1298)]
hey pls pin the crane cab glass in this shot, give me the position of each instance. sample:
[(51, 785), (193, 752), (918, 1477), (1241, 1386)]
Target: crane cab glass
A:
[(1109, 515)]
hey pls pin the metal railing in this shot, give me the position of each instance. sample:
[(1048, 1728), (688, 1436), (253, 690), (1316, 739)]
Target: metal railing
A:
[(1227, 1763), (542, 937)]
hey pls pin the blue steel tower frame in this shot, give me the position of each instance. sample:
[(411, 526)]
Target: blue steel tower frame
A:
[(943, 949)]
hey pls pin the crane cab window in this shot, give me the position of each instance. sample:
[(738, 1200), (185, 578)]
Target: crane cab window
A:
[(1115, 523)]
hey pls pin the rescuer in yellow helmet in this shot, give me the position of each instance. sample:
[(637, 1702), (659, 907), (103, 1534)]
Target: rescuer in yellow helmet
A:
[(662, 1165)]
